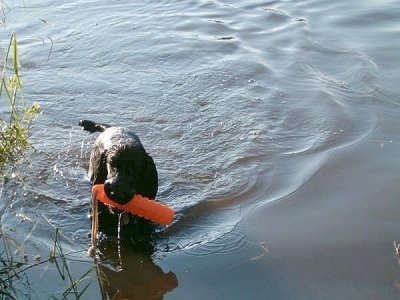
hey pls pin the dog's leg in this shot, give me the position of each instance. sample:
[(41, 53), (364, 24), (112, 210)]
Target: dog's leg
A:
[(93, 126)]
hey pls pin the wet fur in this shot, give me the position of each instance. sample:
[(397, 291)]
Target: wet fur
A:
[(119, 160)]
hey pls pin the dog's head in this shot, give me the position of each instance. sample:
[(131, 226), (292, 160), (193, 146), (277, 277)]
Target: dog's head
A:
[(119, 160), (123, 172)]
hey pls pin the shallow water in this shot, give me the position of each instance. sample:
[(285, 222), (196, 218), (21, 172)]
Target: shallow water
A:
[(241, 105)]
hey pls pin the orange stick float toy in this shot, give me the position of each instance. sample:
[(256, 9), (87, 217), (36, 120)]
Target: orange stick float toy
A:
[(138, 205)]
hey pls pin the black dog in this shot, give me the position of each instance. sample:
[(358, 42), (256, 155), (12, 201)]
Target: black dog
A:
[(119, 160)]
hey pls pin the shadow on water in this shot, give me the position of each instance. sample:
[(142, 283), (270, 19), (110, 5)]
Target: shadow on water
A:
[(127, 271)]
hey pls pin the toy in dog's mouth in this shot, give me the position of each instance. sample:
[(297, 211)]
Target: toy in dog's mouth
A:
[(139, 205)]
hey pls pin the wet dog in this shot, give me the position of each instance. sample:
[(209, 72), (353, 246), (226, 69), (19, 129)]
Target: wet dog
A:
[(119, 160)]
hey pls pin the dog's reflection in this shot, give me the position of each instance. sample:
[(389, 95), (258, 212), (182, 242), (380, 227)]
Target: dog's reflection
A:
[(129, 272)]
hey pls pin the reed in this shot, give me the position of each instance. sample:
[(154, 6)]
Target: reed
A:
[(58, 257), (16, 122), (9, 269), (14, 281)]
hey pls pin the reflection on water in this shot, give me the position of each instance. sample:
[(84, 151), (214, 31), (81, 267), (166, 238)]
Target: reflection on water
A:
[(130, 273)]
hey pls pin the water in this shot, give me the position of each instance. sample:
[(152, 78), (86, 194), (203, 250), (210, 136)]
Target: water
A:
[(239, 103)]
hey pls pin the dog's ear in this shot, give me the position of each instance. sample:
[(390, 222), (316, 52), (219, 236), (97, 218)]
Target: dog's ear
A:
[(149, 178), (98, 167)]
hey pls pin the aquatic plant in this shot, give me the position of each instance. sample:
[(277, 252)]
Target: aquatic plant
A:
[(9, 268), (14, 282), (15, 125), (58, 257)]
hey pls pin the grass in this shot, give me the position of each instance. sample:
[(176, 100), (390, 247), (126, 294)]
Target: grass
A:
[(59, 258), (9, 267), (15, 125), (14, 282)]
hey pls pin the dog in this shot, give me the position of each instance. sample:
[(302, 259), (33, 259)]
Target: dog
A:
[(119, 160)]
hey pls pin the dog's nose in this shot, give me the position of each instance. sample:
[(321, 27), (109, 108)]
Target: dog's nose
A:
[(117, 191), (108, 189)]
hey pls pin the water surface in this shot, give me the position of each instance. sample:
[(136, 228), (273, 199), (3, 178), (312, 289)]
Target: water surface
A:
[(241, 105)]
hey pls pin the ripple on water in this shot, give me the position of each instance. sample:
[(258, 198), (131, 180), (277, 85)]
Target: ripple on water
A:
[(221, 243), (237, 103)]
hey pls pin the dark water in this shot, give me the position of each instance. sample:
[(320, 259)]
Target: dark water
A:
[(244, 106)]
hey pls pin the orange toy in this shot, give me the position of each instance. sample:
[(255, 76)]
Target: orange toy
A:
[(139, 205)]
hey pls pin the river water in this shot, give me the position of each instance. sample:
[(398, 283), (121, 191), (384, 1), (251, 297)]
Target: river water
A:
[(273, 125)]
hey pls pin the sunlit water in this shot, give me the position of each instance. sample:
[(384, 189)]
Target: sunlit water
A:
[(237, 102)]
